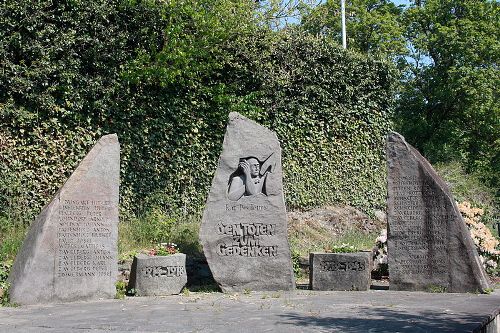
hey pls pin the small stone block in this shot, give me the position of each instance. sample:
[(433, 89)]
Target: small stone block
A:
[(158, 275), (340, 271)]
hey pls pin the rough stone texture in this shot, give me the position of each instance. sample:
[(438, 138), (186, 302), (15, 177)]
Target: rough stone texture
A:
[(244, 236), (429, 245), (340, 271), (70, 251), (158, 275)]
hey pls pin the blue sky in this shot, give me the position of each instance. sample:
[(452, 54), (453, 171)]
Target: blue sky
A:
[(401, 2)]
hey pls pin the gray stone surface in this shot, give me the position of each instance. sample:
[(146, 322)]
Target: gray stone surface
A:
[(340, 271), (244, 226), (429, 245), (70, 251), (158, 275), (289, 312)]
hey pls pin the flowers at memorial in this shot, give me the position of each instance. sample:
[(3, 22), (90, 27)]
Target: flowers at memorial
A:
[(380, 268), (487, 244), (164, 249), (342, 248), (380, 251)]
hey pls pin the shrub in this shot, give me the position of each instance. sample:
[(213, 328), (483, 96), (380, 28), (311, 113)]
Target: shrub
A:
[(5, 267), (486, 244)]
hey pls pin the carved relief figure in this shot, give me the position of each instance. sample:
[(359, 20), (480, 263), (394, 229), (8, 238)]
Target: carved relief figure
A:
[(250, 177)]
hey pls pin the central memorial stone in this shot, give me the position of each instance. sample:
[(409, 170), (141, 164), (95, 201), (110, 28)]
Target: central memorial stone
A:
[(429, 245), (244, 226), (70, 251)]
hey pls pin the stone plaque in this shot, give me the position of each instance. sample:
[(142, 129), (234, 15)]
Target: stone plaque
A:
[(158, 275), (70, 251), (340, 271), (244, 227), (429, 245)]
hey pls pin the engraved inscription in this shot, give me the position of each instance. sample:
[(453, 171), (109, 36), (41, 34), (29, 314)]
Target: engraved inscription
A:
[(246, 239), (82, 233), (418, 225), (241, 207), (163, 271), (334, 266)]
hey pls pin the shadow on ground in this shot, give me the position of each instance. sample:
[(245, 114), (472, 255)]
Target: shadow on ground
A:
[(378, 320)]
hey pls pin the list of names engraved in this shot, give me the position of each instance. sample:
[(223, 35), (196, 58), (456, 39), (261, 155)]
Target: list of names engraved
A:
[(419, 226), (83, 233)]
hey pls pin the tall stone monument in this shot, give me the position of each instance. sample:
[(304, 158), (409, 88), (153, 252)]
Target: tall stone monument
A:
[(244, 227), (429, 245), (70, 251)]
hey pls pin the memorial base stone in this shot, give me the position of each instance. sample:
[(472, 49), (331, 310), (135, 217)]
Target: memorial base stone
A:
[(340, 271), (158, 275)]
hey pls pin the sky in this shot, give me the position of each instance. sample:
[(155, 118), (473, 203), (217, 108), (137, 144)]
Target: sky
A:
[(401, 2)]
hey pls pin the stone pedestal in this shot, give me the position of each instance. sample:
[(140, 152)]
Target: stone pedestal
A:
[(158, 275), (340, 271)]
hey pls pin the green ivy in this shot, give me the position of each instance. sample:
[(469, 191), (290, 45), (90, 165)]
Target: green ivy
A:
[(164, 76)]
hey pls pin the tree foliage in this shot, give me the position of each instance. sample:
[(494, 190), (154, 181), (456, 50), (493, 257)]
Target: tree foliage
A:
[(447, 51), (373, 26), (449, 106)]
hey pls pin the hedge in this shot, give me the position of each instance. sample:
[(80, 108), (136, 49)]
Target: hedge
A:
[(164, 76)]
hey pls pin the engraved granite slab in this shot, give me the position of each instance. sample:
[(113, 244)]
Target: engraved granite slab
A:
[(158, 275), (340, 271), (429, 245), (244, 226), (70, 251)]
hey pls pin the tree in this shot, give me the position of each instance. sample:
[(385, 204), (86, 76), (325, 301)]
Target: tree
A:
[(373, 26), (449, 104)]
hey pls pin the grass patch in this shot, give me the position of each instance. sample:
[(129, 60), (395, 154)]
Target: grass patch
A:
[(138, 233), (11, 238), (307, 238), (432, 288), (468, 187)]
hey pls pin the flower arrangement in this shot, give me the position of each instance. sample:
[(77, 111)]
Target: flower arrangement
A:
[(380, 251), (342, 248), (486, 244), (164, 249)]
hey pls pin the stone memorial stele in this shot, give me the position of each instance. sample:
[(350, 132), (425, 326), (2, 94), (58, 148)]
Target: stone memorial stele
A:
[(244, 226), (70, 251), (340, 271), (158, 275), (429, 245)]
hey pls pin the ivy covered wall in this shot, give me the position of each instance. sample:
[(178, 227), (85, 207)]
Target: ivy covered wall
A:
[(164, 76)]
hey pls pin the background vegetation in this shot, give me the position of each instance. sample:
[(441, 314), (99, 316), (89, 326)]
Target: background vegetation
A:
[(447, 52), (164, 75)]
